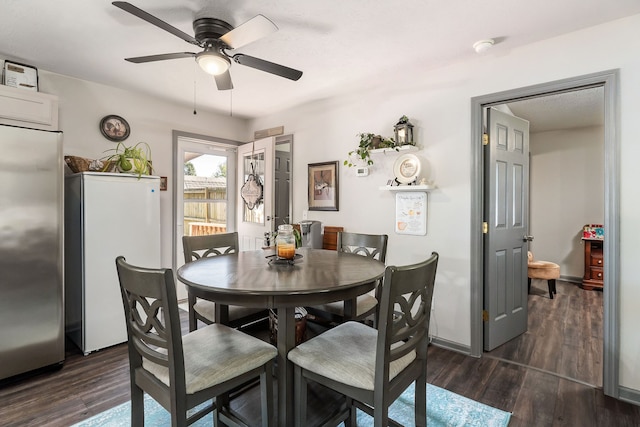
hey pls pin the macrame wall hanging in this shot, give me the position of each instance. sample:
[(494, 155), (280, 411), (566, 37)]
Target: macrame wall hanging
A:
[(251, 190)]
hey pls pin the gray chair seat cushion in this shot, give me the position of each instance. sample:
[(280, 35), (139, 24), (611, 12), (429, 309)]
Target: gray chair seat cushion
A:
[(207, 309), (215, 354), (364, 303), (347, 354)]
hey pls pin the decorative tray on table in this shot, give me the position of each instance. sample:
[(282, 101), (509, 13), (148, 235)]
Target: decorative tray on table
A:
[(274, 259)]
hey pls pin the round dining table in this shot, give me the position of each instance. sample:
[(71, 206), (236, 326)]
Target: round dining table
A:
[(257, 279)]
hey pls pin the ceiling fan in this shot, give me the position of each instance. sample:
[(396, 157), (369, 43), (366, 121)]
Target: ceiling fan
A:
[(216, 37)]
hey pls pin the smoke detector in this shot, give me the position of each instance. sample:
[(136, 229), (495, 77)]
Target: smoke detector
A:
[(482, 46)]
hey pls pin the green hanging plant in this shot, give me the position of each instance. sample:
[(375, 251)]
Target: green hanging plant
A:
[(368, 141)]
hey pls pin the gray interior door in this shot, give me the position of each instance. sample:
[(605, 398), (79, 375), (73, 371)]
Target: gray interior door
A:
[(282, 166), (506, 214)]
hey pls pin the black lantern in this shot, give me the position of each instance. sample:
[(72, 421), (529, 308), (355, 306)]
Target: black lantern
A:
[(403, 131)]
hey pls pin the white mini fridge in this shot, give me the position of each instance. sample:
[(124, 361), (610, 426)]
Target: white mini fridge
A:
[(106, 215)]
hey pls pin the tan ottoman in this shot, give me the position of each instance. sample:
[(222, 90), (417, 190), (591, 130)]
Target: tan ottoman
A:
[(544, 270)]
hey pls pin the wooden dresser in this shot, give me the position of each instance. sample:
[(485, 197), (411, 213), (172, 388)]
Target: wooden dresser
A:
[(593, 264)]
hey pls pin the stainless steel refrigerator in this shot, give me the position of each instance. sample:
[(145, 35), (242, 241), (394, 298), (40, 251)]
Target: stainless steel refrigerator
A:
[(31, 250)]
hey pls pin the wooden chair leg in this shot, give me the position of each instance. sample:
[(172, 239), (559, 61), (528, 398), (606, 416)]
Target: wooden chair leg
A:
[(551, 283), (266, 393), (351, 418), (380, 416), (421, 401), (216, 417), (137, 405), (193, 322), (529, 283), (300, 397)]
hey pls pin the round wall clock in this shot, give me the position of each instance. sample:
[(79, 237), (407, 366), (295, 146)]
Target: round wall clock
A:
[(114, 128), (406, 168)]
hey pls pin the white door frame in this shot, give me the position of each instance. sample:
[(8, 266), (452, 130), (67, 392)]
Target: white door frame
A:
[(250, 234), (611, 292), (177, 166)]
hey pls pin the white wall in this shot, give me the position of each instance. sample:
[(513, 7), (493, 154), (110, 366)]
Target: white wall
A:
[(438, 102), (567, 192), (82, 105)]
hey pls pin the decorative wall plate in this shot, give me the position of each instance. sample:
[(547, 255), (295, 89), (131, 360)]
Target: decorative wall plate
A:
[(114, 128), (406, 168)]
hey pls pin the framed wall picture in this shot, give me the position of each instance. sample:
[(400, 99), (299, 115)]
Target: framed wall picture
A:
[(323, 186), (114, 128), (163, 183)]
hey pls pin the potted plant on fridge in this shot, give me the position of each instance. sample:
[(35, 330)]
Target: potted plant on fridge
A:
[(134, 159)]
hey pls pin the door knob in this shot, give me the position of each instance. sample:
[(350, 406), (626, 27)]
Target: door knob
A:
[(526, 238)]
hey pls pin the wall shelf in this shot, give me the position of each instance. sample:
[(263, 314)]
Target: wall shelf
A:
[(402, 149), (408, 187)]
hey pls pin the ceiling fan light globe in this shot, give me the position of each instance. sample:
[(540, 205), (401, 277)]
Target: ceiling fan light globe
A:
[(213, 63)]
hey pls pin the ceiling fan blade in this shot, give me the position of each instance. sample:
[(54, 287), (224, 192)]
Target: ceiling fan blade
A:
[(269, 67), (128, 7), (161, 57), (255, 28), (223, 81)]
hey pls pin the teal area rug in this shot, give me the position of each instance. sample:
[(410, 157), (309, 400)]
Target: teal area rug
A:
[(447, 409), (444, 409)]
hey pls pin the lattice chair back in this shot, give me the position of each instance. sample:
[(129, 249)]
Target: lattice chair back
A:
[(370, 245), (196, 247), (150, 303), (405, 312)]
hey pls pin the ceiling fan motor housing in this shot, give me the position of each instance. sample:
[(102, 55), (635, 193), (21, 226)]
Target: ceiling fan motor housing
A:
[(209, 30)]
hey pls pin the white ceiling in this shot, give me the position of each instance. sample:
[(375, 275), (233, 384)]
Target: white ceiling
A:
[(340, 45), (567, 110)]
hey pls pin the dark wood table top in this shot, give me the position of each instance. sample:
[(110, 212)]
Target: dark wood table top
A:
[(247, 278)]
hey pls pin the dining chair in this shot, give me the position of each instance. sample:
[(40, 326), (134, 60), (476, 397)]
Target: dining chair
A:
[(369, 245), (196, 247), (181, 373), (370, 367)]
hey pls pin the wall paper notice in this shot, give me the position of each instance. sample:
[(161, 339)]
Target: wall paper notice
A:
[(411, 213)]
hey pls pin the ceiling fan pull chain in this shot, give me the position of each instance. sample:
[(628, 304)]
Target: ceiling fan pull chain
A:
[(194, 98), (194, 88)]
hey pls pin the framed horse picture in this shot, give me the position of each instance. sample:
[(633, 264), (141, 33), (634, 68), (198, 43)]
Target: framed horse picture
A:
[(323, 186)]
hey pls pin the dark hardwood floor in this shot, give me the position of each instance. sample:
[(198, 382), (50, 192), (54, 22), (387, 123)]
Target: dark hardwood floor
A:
[(564, 336), (88, 385), (533, 397), (549, 376)]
